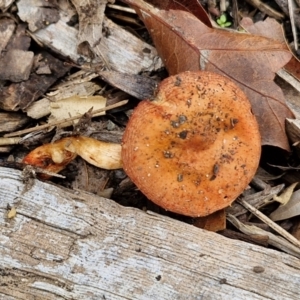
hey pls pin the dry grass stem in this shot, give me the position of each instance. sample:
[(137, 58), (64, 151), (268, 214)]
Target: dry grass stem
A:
[(270, 223), (41, 127)]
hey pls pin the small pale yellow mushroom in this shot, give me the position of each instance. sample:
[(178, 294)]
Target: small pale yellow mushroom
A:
[(98, 153), (52, 157), (55, 156)]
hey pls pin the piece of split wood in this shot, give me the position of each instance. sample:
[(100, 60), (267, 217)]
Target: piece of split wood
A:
[(16, 65), (90, 14), (37, 13), (7, 29), (12, 121), (289, 210), (5, 4)]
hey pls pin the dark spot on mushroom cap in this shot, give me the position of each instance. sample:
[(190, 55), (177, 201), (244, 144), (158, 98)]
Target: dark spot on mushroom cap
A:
[(183, 134)]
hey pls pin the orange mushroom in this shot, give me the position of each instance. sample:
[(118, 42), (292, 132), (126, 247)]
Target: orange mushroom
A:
[(51, 157), (54, 157), (195, 147)]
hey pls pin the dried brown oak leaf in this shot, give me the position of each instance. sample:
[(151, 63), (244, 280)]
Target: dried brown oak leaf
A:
[(185, 43), (192, 6)]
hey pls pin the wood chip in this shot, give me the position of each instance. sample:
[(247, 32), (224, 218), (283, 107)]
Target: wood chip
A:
[(38, 13), (19, 95)]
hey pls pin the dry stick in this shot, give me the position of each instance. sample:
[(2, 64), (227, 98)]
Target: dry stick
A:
[(270, 223), (9, 141), (41, 127), (222, 5), (266, 9), (235, 14), (291, 6), (122, 8)]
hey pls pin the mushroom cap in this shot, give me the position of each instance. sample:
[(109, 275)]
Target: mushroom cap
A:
[(195, 147), (51, 157)]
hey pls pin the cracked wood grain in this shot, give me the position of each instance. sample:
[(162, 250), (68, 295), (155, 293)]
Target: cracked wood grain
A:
[(66, 244)]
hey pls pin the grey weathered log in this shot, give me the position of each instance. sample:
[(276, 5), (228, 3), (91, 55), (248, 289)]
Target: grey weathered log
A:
[(65, 244)]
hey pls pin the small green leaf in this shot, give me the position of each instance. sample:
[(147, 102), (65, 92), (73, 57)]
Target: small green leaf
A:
[(219, 22), (223, 19)]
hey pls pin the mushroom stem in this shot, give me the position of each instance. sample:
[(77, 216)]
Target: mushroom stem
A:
[(98, 153), (55, 156)]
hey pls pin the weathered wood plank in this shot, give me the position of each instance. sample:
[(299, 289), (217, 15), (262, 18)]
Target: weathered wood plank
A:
[(66, 244)]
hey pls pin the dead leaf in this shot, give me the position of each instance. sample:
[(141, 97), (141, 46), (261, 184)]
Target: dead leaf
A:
[(272, 29), (293, 68), (191, 6), (213, 222), (291, 71), (285, 197), (291, 209), (185, 43), (269, 28)]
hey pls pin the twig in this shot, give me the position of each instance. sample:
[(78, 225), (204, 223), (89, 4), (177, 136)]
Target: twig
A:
[(32, 169), (222, 5), (270, 223), (291, 6), (235, 14), (274, 240), (9, 141), (266, 9), (41, 127), (122, 8)]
